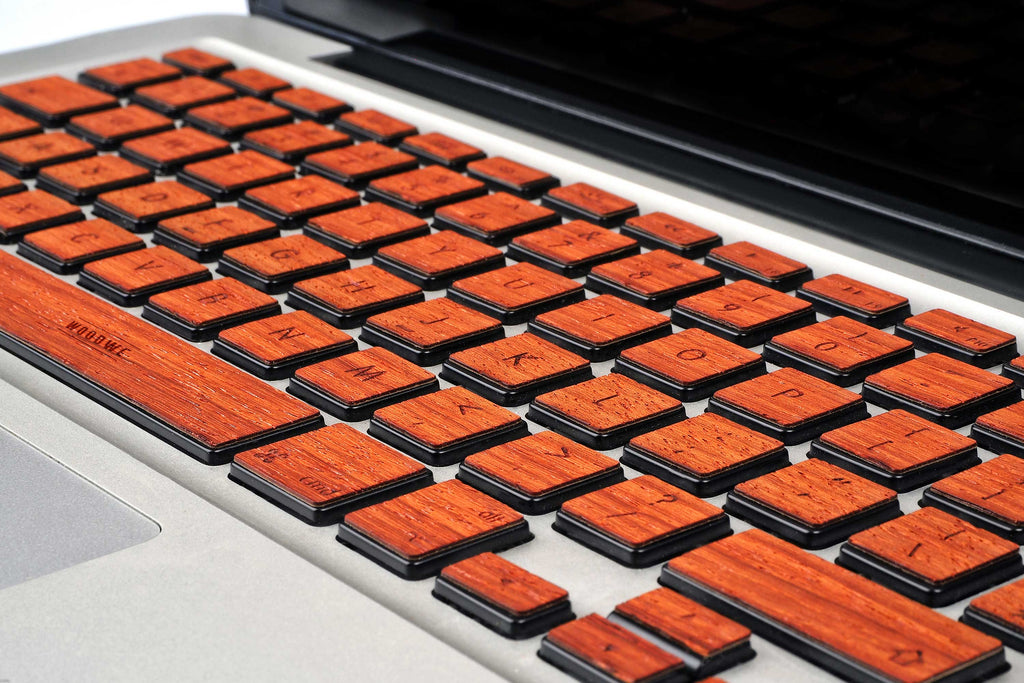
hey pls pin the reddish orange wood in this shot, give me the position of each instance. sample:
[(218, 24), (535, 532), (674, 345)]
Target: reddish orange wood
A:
[(184, 93), (351, 291), (283, 256), (850, 292), (433, 322), (297, 138), (603, 320), (372, 123), (841, 343), (787, 397), (358, 162), (619, 653), (933, 544), (133, 73), (691, 357), (84, 240), (841, 610), (361, 226), (440, 253), (666, 228), (968, 334), (592, 199), (303, 195), (283, 338), (192, 59), (118, 124), (308, 100), (27, 211), (433, 519), (655, 272), (94, 174), (744, 305), (938, 381), (34, 151), (209, 302), (519, 360), (757, 259), (494, 214), (7, 182), (1008, 421), (446, 417), (508, 172), (504, 584), (1005, 604), (608, 402), (441, 148), (236, 115), (15, 125), (233, 172), (329, 465), (177, 145), (138, 271), (55, 97), (153, 200), (517, 286), (995, 487), (254, 82), (205, 229), (429, 185), (364, 376), (575, 242)]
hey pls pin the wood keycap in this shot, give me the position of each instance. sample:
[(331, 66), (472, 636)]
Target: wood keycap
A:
[(140, 207), (435, 261), (689, 365), (204, 235), (642, 521), (743, 312), (662, 231), (1000, 614), (10, 185), (841, 295), (590, 203), (944, 390), (32, 210), (123, 77), (225, 178), (234, 118), (345, 299), (521, 180), (931, 556), (427, 333), (573, 248), (829, 615), (320, 476), (437, 148), (167, 152), (605, 412), (444, 427), (109, 128), (426, 530), (594, 643), (129, 279), (24, 157), (81, 181), (254, 82), (273, 348), (66, 248), (840, 350), (310, 104), (1015, 370), (812, 503), (357, 165), (15, 125), (1002, 431), (747, 261), (705, 454), (989, 495), (423, 190), (516, 293), (354, 385), (538, 473), (370, 124), (361, 230), (52, 100), (958, 337), (194, 61), (655, 279), (175, 97), (789, 405), (294, 141), (291, 202), (897, 449), (494, 218), (599, 328), (273, 265), (201, 405), (198, 312)]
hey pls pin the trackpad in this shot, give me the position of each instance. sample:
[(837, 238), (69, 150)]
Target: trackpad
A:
[(51, 518)]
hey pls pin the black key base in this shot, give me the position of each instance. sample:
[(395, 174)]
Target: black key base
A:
[(424, 210), (783, 357), (690, 251), (782, 284), (527, 504), (89, 281), (201, 333), (659, 302), (278, 370), (996, 628), (516, 316), (692, 392), (501, 622), (979, 518), (586, 672), (593, 352), (747, 338), (420, 355), (278, 284), (900, 482), (997, 442), (433, 283), (702, 486), (365, 249), (346, 320), (504, 396), (55, 265), (931, 344), (832, 308), (496, 239), (572, 270), (573, 212), (954, 419), (294, 221), (601, 441), (791, 436), (206, 254), (441, 457), (318, 398)]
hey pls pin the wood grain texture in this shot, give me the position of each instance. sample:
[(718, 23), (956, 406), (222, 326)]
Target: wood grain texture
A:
[(95, 174), (691, 357), (363, 225), (376, 125), (933, 544), (854, 293), (236, 116), (667, 228), (282, 338), (508, 172), (603, 320), (133, 73), (744, 306), (283, 256), (368, 375), (213, 227), (33, 209), (309, 101), (1018, 363), (835, 608), (446, 417), (787, 397), (233, 172), (504, 584), (656, 272), (34, 151), (592, 199), (198, 395), (898, 441), (440, 253), (254, 82), (193, 60), (350, 291), (84, 240), (300, 138), (495, 214), (968, 334), (1006, 604), (123, 123), (608, 402), (329, 465), (575, 242), (55, 96), (206, 303), (441, 148), (517, 286), (184, 93), (540, 463), (9, 184), (1008, 421), (758, 260), (153, 201), (177, 145), (427, 186), (15, 125), (433, 322), (707, 444), (145, 269), (518, 360), (433, 519), (683, 622), (358, 162), (640, 511), (995, 487), (816, 493), (938, 381), (841, 343), (303, 196), (617, 652)]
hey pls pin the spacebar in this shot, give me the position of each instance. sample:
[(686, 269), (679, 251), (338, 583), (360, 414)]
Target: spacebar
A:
[(202, 405)]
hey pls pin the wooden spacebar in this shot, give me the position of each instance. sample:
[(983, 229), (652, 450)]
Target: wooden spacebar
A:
[(829, 615), (204, 406)]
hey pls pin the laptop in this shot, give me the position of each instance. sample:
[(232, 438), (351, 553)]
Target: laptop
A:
[(548, 340)]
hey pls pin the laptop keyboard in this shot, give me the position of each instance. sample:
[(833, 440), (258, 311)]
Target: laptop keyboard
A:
[(528, 421)]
